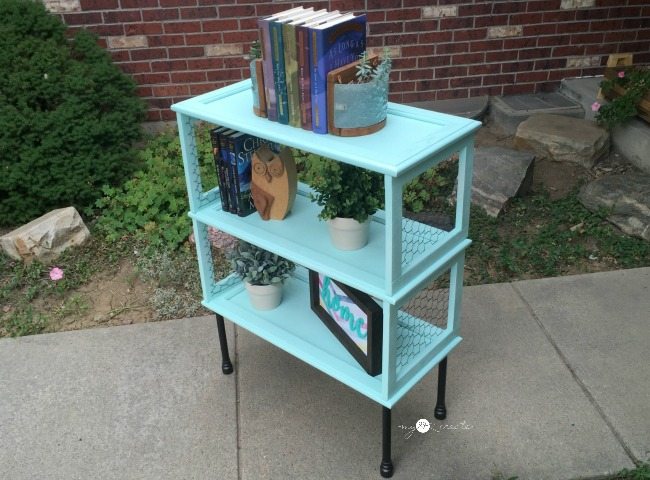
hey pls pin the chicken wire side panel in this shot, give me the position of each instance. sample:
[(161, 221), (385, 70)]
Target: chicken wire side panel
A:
[(428, 211), (421, 323), (195, 188), (213, 266)]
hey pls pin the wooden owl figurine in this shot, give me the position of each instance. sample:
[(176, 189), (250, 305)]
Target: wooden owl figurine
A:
[(274, 182)]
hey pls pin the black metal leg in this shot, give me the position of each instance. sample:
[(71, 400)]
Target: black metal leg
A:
[(440, 411), (386, 468), (226, 364)]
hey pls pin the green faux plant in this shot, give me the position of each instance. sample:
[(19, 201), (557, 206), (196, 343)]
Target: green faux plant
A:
[(367, 72), (255, 50), (258, 266), (68, 115), (342, 190), (636, 83)]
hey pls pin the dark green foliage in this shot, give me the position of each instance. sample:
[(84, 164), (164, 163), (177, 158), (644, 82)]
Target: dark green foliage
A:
[(153, 206), (636, 82), (342, 190), (68, 116)]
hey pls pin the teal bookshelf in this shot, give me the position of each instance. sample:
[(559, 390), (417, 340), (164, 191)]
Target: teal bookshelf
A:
[(413, 269)]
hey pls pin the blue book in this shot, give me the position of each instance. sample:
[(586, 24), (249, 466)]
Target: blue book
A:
[(242, 147), (332, 45), (219, 167)]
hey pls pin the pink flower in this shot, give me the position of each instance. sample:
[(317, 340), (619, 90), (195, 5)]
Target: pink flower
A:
[(621, 74), (595, 107), (56, 274)]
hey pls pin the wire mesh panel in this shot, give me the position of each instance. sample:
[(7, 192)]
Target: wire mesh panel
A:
[(212, 246), (421, 321), (428, 210)]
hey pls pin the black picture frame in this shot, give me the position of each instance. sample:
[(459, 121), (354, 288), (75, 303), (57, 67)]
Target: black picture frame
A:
[(371, 359)]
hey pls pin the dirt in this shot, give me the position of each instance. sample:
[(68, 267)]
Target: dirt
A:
[(109, 299)]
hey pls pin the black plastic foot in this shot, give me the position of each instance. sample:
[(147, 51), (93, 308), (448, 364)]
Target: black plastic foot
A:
[(226, 368), (386, 469), (440, 412)]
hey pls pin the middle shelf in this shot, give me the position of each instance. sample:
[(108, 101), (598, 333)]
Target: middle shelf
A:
[(302, 238)]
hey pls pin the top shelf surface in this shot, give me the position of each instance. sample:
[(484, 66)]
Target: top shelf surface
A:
[(410, 136)]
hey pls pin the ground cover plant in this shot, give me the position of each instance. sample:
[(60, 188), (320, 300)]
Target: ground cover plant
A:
[(68, 116)]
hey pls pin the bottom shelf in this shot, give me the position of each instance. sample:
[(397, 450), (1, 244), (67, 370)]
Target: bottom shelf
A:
[(296, 329)]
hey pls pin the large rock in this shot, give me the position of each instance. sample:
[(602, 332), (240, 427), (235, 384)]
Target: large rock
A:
[(564, 139), (46, 237), (499, 175), (627, 196)]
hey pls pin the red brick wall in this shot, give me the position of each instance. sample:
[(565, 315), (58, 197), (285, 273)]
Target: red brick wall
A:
[(441, 50)]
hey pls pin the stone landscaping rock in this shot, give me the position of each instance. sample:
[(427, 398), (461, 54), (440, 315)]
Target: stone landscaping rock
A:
[(499, 175), (564, 139), (628, 197), (46, 237)]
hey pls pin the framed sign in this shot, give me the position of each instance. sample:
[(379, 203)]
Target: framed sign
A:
[(353, 317)]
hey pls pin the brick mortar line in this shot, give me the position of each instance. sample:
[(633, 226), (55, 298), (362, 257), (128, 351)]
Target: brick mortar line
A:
[(577, 379)]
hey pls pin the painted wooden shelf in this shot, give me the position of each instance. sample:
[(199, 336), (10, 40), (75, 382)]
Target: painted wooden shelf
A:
[(304, 239), (414, 134), (296, 329)]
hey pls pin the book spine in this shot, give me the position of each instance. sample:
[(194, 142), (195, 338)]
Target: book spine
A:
[(279, 74), (225, 158), (267, 68), (234, 178), (291, 69), (244, 148), (304, 74), (318, 82), (218, 165), (345, 42)]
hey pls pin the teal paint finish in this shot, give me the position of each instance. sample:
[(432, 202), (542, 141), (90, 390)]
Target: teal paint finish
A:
[(401, 259)]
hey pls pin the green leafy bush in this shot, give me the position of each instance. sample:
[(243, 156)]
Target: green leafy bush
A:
[(153, 206), (258, 266), (68, 116), (635, 83)]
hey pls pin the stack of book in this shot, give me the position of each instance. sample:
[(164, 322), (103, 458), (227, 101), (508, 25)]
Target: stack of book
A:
[(233, 152), (299, 47)]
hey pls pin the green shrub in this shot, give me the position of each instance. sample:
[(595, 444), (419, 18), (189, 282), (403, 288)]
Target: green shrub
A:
[(68, 116), (153, 206)]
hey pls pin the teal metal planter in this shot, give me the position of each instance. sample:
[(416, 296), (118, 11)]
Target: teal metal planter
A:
[(360, 105)]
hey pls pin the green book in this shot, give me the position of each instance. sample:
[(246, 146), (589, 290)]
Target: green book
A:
[(291, 65)]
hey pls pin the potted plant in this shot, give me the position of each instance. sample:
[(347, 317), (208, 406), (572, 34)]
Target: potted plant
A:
[(628, 90), (263, 274), (348, 195), (357, 96)]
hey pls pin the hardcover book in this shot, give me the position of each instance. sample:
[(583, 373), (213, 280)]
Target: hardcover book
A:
[(219, 167), (277, 54), (243, 146), (291, 64), (267, 60), (304, 73), (224, 142), (332, 45)]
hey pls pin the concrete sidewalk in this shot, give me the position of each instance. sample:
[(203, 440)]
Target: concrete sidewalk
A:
[(551, 381)]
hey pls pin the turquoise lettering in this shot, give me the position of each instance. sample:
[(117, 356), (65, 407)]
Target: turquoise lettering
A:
[(334, 305)]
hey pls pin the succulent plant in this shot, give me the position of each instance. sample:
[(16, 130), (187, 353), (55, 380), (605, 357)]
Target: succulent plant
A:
[(258, 266)]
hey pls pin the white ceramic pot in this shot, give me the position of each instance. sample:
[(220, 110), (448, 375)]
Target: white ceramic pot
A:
[(264, 297), (348, 234)]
